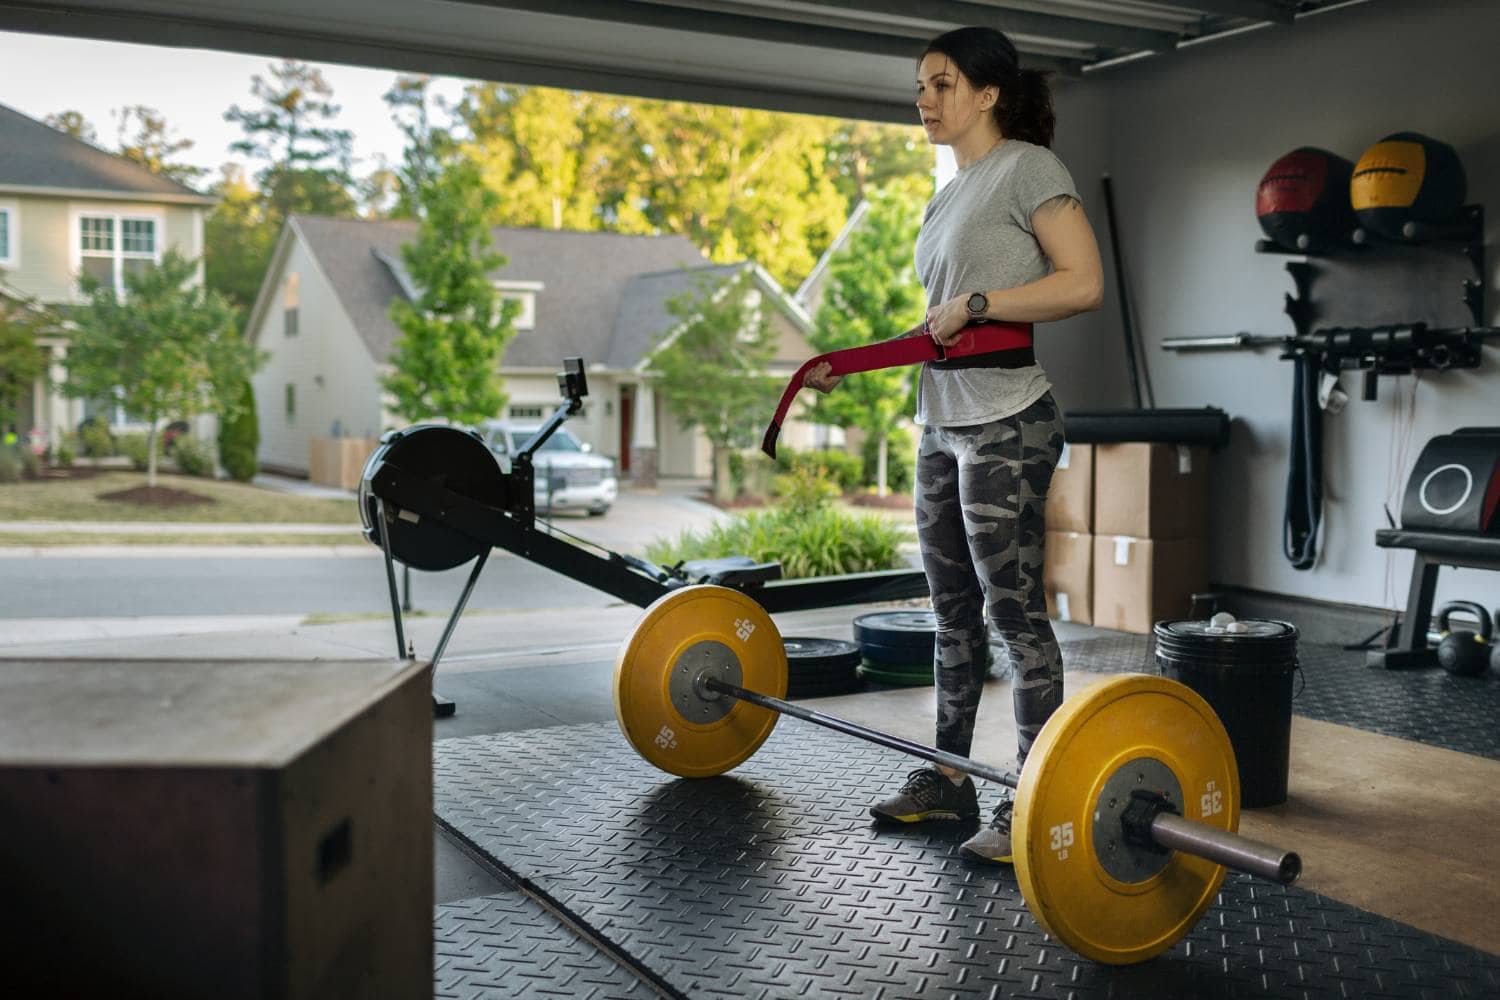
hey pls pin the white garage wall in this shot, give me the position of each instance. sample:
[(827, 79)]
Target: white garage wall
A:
[(1187, 138)]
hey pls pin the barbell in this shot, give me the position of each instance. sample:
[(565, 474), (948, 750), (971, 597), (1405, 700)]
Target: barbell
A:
[(1125, 810)]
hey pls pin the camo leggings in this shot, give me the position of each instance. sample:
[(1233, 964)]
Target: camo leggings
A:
[(980, 494)]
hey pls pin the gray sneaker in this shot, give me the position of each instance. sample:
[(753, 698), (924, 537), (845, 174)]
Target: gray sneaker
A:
[(993, 842), (928, 795)]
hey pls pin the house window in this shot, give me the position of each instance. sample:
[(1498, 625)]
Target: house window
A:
[(9, 241), (291, 402), (290, 300), (113, 246), (524, 293), (525, 413)]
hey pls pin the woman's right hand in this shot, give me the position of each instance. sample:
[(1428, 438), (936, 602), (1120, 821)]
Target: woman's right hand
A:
[(821, 377)]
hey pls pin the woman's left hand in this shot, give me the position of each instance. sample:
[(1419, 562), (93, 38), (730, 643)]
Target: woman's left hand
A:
[(946, 320)]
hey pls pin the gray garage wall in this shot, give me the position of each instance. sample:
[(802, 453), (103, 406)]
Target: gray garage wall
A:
[(1187, 138)]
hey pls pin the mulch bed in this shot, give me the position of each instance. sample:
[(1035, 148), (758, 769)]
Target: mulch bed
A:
[(73, 472), (157, 496)]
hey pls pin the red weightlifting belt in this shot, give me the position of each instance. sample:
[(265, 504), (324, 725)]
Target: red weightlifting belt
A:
[(912, 347)]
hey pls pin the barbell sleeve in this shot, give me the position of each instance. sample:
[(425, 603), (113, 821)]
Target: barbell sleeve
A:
[(1228, 849)]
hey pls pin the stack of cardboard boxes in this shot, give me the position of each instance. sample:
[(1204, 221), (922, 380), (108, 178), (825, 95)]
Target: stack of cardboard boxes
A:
[(1127, 529)]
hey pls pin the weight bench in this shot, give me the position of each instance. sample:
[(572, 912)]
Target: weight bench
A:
[(1431, 550)]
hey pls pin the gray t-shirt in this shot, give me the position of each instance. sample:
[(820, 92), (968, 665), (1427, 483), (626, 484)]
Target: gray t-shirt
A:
[(976, 236)]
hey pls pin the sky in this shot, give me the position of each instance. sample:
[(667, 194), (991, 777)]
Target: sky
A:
[(42, 75)]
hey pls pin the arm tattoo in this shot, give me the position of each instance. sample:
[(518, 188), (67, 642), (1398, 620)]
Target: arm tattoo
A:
[(1058, 204)]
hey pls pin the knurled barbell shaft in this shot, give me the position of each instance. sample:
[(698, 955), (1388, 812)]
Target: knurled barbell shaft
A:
[(1167, 829), (833, 722)]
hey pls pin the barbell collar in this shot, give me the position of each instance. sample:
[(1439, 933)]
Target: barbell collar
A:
[(1226, 848), (837, 724)]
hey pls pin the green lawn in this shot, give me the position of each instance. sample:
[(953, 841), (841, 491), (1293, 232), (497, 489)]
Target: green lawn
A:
[(77, 499)]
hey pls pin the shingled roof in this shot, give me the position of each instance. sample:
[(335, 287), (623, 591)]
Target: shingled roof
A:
[(38, 159), (603, 296)]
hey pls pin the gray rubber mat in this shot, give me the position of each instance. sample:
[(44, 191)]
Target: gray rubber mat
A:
[(1425, 706), (508, 945), (771, 882)]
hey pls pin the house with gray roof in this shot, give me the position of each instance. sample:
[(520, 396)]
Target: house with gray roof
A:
[(67, 209), (323, 317)]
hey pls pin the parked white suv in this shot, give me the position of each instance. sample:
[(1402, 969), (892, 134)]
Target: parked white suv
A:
[(568, 475)]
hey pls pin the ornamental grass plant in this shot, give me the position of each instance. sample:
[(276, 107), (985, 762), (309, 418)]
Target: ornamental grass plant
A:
[(803, 531)]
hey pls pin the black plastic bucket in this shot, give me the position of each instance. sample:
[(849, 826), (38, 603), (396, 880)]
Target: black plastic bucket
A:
[(1246, 676)]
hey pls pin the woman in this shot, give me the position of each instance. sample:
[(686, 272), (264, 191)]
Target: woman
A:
[(1006, 239)]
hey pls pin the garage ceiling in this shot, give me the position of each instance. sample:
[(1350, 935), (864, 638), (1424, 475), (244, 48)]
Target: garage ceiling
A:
[(850, 58)]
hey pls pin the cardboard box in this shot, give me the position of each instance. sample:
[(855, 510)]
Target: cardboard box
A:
[(221, 828), (1070, 498), (1068, 577), (1150, 490), (1141, 581)]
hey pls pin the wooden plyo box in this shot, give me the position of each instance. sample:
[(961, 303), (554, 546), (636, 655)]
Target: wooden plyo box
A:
[(229, 828)]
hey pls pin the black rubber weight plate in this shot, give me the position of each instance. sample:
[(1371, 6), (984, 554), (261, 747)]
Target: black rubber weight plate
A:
[(896, 628), (897, 678), (819, 687), (897, 657), (812, 653)]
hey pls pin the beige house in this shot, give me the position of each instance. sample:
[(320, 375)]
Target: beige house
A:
[(323, 317), (68, 209)]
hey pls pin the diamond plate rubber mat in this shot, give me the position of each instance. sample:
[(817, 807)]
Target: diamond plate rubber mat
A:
[(771, 882), (1425, 706), (509, 945)]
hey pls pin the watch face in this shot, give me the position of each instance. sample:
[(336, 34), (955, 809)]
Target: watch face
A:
[(978, 303)]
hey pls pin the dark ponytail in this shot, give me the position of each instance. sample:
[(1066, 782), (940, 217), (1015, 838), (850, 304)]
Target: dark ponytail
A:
[(1025, 112), (987, 58)]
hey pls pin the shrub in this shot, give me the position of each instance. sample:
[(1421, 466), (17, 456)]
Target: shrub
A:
[(134, 447), (805, 490), (95, 439), (10, 465), (823, 541), (239, 439), (67, 451), (841, 467), (900, 461), (194, 456), (31, 463)]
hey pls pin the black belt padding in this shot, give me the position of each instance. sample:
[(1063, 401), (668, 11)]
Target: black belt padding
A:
[(1018, 357), (1304, 481)]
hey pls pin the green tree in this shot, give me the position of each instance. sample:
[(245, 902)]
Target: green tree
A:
[(238, 238), (427, 144), (551, 151), (145, 138), (167, 349), (711, 368), (75, 124), (447, 359), (306, 158), (22, 362), (872, 294), (741, 184), (866, 156), (239, 433)]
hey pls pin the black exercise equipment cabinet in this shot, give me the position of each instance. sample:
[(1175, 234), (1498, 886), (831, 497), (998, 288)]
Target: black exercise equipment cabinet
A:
[(434, 497)]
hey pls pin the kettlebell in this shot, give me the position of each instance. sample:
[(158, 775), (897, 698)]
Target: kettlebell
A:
[(1464, 652)]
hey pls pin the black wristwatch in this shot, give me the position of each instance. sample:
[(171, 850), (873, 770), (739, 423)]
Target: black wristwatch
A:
[(977, 304)]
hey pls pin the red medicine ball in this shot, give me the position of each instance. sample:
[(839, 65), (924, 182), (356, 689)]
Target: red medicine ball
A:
[(1303, 200)]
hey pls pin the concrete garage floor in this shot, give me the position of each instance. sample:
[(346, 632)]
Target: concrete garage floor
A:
[(1398, 828)]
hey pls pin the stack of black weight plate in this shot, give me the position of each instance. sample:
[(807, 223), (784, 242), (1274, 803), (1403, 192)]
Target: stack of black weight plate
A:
[(896, 647), (818, 666)]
